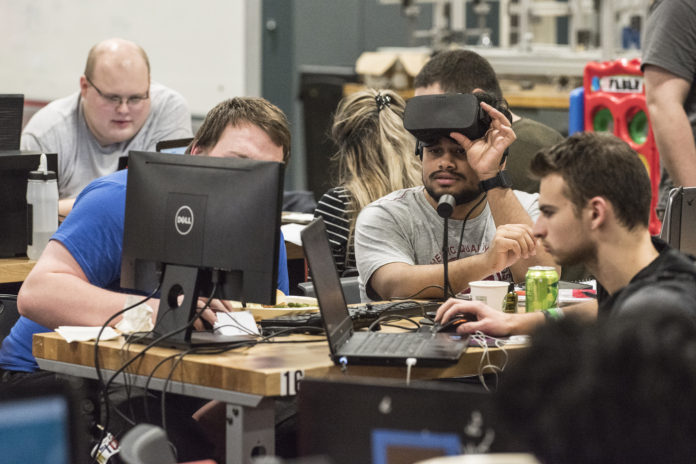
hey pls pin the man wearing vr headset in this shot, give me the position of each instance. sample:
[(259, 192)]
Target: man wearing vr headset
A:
[(398, 238), (465, 71)]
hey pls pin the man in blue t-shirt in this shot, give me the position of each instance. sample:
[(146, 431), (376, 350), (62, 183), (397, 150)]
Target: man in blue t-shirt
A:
[(76, 279)]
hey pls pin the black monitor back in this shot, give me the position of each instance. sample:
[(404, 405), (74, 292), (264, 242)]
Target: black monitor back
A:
[(345, 419), (15, 166), (203, 212), (11, 112)]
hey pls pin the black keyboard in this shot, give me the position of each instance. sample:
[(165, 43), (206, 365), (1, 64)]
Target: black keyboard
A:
[(362, 316), (392, 344)]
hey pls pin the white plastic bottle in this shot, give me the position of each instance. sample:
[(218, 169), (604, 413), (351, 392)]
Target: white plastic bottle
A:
[(42, 208)]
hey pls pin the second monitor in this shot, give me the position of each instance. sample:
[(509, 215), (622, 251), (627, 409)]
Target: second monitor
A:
[(200, 224)]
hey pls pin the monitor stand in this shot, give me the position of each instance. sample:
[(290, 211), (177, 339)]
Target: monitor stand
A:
[(173, 316)]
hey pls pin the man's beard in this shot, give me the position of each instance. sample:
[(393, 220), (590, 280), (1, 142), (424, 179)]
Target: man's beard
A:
[(461, 198), (585, 254)]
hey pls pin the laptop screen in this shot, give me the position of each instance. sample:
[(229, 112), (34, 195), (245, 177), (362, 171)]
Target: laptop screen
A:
[(39, 426), (327, 285)]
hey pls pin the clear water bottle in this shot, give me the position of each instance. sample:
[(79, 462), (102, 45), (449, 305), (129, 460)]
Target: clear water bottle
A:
[(42, 208)]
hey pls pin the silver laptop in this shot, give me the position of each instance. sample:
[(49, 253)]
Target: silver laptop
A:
[(350, 347)]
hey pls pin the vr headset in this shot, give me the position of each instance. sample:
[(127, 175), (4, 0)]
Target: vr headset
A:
[(432, 117)]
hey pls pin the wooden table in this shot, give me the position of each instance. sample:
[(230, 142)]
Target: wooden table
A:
[(246, 379), (15, 269)]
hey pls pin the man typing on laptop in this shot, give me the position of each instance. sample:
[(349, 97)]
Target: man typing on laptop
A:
[(595, 205)]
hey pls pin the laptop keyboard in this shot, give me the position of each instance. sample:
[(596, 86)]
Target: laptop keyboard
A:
[(362, 316), (380, 344)]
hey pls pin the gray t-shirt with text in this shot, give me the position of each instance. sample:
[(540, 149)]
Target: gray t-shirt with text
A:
[(403, 227)]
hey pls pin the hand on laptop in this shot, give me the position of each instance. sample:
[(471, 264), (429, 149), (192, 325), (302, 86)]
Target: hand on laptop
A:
[(488, 320)]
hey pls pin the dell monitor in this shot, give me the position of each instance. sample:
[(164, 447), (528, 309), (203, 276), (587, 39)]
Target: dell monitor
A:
[(196, 223)]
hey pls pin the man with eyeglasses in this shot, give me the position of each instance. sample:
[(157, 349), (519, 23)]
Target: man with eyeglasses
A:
[(116, 110)]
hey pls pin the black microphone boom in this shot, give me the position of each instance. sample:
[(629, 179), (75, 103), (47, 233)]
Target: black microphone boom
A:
[(445, 207)]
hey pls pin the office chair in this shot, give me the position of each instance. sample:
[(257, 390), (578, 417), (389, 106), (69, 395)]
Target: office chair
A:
[(301, 201), (146, 444), (8, 314), (350, 285), (176, 146)]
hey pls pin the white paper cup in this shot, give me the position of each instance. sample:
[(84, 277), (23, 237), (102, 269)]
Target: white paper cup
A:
[(490, 292)]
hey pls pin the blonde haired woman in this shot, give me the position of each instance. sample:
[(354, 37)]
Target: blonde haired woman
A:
[(375, 156)]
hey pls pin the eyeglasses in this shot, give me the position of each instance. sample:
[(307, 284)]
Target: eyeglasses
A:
[(117, 100)]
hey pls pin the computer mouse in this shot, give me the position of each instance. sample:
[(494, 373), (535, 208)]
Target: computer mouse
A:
[(452, 324)]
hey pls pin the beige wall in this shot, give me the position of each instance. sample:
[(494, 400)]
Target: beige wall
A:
[(208, 49)]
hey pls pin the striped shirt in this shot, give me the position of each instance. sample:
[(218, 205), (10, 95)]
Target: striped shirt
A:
[(333, 207)]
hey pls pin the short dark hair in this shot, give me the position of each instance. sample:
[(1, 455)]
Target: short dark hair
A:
[(235, 111), (459, 71), (599, 164), (623, 390)]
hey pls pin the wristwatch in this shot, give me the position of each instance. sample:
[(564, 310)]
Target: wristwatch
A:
[(500, 180)]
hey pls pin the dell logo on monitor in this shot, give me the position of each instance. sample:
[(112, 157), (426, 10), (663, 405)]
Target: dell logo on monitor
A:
[(183, 220)]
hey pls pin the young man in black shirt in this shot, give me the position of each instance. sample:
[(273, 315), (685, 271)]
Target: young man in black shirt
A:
[(595, 203)]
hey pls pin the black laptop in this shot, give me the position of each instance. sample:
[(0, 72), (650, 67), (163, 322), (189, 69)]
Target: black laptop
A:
[(357, 420), (351, 347)]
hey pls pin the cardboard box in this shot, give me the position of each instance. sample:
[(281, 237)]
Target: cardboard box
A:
[(392, 70)]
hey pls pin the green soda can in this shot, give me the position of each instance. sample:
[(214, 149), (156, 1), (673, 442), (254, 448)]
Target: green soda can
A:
[(541, 290)]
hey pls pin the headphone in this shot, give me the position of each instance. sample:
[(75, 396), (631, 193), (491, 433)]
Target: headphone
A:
[(419, 149)]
